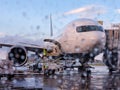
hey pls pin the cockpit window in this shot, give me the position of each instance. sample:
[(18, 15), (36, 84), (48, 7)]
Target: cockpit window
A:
[(89, 28)]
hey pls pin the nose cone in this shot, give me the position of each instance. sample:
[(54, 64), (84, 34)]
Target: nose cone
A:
[(98, 37), (98, 42), (101, 39), (94, 40), (89, 41)]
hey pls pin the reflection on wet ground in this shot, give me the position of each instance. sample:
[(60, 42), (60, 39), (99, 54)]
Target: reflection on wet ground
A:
[(99, 80)]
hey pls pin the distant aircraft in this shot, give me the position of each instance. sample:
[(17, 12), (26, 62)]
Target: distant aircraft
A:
[(82, 39)]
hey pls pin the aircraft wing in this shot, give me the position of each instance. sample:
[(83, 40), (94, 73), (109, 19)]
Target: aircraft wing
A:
[(5, 45), (33, 48)]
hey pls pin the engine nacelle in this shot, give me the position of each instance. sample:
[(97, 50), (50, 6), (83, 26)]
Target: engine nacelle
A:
[(18, 55), (54, 49)]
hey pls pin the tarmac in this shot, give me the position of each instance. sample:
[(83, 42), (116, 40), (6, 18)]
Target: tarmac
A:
[(68, 80)]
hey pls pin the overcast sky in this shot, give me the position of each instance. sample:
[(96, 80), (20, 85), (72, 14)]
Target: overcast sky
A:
[(30, 18)]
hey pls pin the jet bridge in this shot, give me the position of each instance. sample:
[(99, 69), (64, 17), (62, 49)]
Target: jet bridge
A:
[(112, 48)]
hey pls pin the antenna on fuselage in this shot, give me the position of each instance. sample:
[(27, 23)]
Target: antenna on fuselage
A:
[(51, 27)]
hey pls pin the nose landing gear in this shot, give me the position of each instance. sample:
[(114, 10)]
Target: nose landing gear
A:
[(85, 70)]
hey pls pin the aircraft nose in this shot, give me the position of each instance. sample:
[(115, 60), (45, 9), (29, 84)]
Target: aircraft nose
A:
[(98, 40), (97, 37), (93, 40), (83, 39)]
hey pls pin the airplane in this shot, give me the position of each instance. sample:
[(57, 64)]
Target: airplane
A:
[(81, 39)]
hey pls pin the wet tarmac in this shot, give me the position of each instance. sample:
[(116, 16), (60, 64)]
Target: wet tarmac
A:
[(69, 80)]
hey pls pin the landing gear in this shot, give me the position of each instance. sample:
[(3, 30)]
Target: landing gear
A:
[(85, 73), (84, 70)]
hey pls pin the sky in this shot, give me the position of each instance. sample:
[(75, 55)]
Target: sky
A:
[(30, 18)]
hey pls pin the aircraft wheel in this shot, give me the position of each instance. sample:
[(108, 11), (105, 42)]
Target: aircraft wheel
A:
[(88, 73)]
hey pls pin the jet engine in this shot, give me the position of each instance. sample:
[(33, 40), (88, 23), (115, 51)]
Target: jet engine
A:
[(18, 55)]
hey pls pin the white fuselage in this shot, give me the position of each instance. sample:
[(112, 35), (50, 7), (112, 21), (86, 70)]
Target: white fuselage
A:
[(82, 42)]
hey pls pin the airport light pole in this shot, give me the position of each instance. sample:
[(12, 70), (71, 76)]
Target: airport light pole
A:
[(51, 27)]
